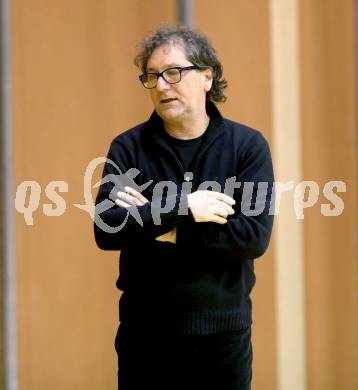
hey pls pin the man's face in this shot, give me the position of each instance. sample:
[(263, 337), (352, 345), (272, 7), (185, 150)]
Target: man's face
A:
[(189, 94)]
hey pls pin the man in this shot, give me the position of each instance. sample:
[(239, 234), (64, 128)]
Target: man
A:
[(189, 211)]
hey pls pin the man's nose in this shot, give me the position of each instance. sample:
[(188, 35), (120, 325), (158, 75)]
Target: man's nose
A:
[(162, 84)]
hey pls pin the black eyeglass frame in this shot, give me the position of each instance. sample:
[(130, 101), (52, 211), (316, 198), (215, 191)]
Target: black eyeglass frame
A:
[(161, 74)]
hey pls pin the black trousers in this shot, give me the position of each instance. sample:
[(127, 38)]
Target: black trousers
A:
[(151, 360)]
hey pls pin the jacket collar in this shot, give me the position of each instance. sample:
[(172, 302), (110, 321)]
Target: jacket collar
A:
[(154, 126)]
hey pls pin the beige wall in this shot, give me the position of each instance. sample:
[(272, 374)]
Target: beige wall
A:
[(75, 88), (329, 123)]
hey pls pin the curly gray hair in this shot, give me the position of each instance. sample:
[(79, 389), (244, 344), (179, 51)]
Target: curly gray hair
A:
[(198, 50)]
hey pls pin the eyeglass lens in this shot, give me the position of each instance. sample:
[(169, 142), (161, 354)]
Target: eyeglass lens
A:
[(171, 76)]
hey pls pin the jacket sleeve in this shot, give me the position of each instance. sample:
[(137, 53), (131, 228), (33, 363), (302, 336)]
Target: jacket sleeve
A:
[(114, 226), (247, 233)]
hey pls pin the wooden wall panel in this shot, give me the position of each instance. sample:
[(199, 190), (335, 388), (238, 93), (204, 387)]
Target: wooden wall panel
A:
[(239, 30), (329, 122), (74, 88)]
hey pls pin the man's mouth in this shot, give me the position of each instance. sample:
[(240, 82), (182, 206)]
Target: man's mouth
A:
[(169, 100)]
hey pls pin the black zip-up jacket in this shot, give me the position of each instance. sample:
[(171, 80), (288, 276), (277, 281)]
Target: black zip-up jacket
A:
[(201, 284)]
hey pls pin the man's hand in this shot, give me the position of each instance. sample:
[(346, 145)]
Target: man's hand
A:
[(134, 198), (210, 206), (169, 237), (130, 198)]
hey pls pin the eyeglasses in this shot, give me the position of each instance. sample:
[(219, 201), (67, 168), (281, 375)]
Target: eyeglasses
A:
[(170, 75)]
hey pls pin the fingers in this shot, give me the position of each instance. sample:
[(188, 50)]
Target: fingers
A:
[(130, 198), (221, 208), (219, 203), (220, 196), (210, 206), (171, 236), (120, 203), (217, 219), (136, 194)]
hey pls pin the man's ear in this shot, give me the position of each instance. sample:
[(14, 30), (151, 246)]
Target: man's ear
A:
[(208, 79)]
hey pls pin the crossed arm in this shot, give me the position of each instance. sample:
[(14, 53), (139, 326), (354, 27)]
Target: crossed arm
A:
[(205, 206)]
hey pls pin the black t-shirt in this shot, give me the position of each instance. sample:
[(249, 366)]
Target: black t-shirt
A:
[(185, 149)]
